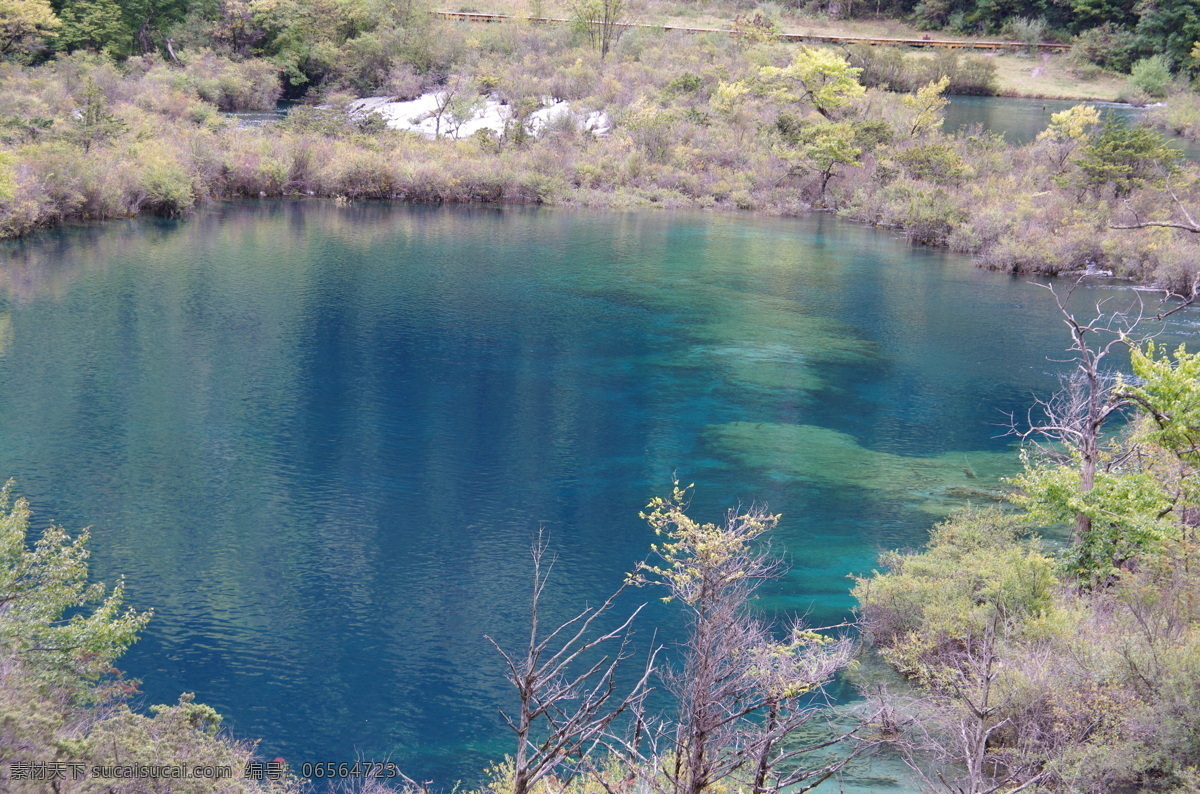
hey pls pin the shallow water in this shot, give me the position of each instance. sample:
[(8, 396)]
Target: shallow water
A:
[(317, 440)]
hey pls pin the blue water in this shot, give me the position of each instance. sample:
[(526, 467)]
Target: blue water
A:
[(317, 440)]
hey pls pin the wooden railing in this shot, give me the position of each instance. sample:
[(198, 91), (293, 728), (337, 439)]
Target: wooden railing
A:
[(945, 44)]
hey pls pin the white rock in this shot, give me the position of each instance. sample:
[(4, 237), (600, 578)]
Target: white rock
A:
[(420, 116)]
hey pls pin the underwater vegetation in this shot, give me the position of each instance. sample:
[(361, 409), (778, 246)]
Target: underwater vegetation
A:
[(822, 457)]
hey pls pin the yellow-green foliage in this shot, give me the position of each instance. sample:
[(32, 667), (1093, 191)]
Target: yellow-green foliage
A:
[(1169, 389), (699, 558), (1072, 124), (820, 78), (24, 24), (7, 182), (1127, 506), (975, 571), (928, 104)]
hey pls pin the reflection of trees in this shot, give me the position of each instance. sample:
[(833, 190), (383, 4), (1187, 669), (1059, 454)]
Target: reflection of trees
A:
[(47, 264)]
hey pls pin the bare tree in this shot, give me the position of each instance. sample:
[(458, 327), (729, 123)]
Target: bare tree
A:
[(952, 728), (567, 697), (741, 696)]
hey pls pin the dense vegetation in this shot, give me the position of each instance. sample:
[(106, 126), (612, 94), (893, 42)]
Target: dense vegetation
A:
[(1068, 669)]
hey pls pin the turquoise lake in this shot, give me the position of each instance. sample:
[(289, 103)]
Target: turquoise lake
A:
[(317, 440)]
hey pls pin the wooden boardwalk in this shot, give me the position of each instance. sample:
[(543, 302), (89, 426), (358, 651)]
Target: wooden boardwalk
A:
[(878, 41)]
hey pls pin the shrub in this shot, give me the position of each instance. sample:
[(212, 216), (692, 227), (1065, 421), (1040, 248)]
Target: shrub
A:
[(939, 163), (1152, 75), (1108, 46), (252, 84), (975, 568), (686, 83), (1027, 30), (1180, 114), (166, 184), (901, 71), (1124, 157)]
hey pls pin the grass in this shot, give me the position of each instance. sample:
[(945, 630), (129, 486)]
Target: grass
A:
[(1050, 77)]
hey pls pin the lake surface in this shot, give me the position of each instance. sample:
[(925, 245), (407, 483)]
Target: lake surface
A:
[(1020, 120), (318, 440)]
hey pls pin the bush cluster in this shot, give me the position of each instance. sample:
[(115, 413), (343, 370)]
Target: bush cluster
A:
[(900, 70)]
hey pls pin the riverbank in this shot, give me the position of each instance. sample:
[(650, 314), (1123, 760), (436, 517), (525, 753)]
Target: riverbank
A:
[(693, 122)]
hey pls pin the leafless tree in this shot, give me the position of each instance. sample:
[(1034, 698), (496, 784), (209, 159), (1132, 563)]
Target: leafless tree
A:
[(567, 697), (741, 695), (951, 729)]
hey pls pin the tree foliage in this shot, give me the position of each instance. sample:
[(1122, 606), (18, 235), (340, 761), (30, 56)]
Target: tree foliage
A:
[(928, 104), (94, 25), (821, 79), (45, 598), (25, 25), (1123, 158), (95, 124)]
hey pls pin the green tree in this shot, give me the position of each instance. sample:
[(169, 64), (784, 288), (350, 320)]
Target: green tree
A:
[(819, 147), (1124, 158), (44, 596), (94, 124), (25, 25), (306, 37), (148, 20), (94, 25), (1151, 75), (824, 80), (1169, 27), (1091, 13), (1126, 494)]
